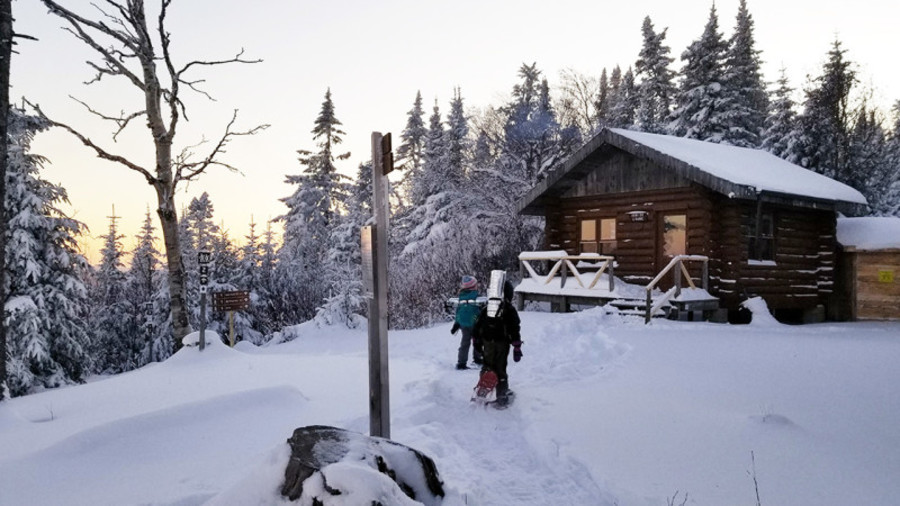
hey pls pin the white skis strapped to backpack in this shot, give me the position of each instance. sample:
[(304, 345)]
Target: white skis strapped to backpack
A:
[(495, 292)]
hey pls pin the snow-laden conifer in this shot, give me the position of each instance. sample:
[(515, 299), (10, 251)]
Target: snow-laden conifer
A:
[(781, 136), (744, 85), (655, 89), (45, 305), (702, 101)]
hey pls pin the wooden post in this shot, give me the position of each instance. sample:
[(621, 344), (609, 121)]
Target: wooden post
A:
[(231, 328), (678, 275), (379, 385), (611, 272)]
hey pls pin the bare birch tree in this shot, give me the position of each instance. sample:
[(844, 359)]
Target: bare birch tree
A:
[(126, 47)]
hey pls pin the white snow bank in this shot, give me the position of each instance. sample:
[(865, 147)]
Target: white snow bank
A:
[(760, 310), (869, 233), (750, 167)]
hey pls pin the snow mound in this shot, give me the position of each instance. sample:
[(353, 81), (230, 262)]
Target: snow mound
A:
[(574, 346), (760, 311)]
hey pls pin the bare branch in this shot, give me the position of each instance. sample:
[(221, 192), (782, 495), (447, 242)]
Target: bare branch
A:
[(100, 152), (122, 121), (187, 171), (114, 64)]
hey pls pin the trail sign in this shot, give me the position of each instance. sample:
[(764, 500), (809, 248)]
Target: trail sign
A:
[(236, 300)]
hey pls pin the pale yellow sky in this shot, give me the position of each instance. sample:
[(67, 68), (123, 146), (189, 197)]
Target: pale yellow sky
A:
[(375, 56)]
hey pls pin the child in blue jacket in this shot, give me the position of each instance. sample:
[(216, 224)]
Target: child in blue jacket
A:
[(466, 312)]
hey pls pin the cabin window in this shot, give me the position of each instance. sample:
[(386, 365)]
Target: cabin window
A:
[(598, 236), (762, 242), (674, 235)]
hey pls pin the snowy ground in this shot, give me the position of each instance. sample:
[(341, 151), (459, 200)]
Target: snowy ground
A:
[(608, 411)]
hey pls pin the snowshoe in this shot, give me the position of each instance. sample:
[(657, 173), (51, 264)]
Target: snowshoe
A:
[(503, 402), (484, 390)]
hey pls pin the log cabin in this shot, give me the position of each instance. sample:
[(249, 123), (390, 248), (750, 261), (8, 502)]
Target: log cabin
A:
[(767, 226)]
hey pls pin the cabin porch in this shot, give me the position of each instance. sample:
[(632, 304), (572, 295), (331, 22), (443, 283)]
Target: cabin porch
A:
[(589, 279)]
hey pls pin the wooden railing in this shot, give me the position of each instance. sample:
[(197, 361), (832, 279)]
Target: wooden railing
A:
[(680, 273), (563, 265)]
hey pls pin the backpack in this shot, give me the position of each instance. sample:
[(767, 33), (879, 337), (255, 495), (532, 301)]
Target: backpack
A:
[(468, 309), (493, 328)]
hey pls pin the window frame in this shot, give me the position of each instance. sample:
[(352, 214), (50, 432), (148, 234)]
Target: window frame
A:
[(601, 245)]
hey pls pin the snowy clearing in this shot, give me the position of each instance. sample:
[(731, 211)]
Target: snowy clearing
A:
[(608, 411)]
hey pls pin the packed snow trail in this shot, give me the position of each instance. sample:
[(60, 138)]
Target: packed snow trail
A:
[(493, 457)]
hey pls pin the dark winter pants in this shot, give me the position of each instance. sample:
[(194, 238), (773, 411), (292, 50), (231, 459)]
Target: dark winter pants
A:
[(463, 355), (496, 355)]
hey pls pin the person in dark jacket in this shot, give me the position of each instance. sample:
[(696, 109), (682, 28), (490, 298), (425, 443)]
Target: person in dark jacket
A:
[(499, 329), (466, 312)]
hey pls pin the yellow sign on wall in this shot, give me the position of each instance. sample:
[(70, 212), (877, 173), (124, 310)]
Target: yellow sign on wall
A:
[(885, 276)]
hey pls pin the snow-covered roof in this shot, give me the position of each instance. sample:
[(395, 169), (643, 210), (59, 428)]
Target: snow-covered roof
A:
[(870, 233), (740, 173), (751, 167)]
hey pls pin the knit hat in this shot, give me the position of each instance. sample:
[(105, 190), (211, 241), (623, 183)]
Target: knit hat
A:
[(468, 283)]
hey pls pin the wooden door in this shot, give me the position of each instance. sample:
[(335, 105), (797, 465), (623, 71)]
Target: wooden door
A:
[(671, 241)]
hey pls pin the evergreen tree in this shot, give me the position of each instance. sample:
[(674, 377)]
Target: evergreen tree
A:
[(46, 300), (655, 90), (249, 276), (825, 123), (625, 101), (604, 95), (112, 321), (343, 262), (702, 100), (869, 169), (744, 86), (410, 153), (533, 140), (892, 207), (146, 288), (781, 136), (313, 211), (456, 143)]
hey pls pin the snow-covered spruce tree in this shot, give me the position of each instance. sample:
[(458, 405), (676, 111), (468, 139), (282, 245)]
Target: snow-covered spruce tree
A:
[(744, 86), (249, 276), (533, 140), (147, 290), (412, 144), (869, 169), (827, 116), (893, 160), (343, 261), (781, 135), (701, 101), (655, 89), (605, 91), (112, 315), (274, 308), (222, 276), (313, 211), (45, 307), (624, 102)]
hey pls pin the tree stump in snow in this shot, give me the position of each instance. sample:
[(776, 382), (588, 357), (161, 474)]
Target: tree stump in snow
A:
[(327, 462)]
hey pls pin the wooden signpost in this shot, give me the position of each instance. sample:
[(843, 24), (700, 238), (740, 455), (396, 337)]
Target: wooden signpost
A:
[(374, 241), (230, 302)]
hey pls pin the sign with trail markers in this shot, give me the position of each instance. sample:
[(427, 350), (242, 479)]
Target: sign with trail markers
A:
[(203, 258)]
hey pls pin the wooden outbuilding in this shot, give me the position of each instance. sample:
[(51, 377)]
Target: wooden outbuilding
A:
[(869, 269), (767, 226)]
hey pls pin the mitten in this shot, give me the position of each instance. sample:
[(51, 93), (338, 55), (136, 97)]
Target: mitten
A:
[(454, 328), (517, 351)]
